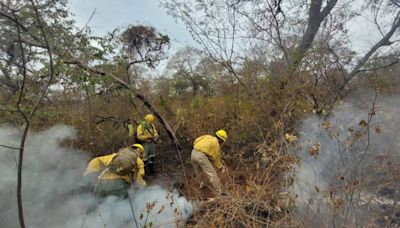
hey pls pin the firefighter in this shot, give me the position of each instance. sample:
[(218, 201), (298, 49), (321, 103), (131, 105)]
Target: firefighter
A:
[(115, 172), (207, 149), (147, 133)]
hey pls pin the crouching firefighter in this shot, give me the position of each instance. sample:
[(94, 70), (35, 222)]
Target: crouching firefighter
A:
[(117, 171)]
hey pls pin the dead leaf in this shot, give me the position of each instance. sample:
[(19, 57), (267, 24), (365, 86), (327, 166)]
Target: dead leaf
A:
[(338, 203), (290, 138), (161, 209), (249, 188), (326, 124), (314, 151), (363, 123)]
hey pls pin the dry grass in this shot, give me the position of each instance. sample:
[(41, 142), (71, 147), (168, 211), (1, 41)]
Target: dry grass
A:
[(257, 155), (256, 194)]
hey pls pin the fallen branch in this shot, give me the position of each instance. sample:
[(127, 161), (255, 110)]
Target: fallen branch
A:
[(136, 94)]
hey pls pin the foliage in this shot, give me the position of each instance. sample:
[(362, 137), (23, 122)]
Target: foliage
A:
[(144, 43)]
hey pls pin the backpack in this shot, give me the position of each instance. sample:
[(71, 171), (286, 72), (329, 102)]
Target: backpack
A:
[(124, 162)]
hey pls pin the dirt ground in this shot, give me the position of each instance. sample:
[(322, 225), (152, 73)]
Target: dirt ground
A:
[(170, 174)]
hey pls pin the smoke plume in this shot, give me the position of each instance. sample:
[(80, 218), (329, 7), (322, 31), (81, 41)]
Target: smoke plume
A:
[(54, 194), (349, 169)]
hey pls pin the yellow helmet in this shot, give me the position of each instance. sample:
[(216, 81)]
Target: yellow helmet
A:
[(222, 135), (149, 118), (140, 147)]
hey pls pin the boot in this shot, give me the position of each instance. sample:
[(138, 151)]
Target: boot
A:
[(151, 168), (146, 168), (152, 165)]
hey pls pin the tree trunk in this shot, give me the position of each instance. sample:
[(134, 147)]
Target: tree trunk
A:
[(315, 17)]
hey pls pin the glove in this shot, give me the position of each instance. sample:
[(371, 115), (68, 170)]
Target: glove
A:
[(139, 180), (155, 139)]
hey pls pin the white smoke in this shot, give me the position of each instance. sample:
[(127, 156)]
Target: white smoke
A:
[(54, 195), (355, 163)]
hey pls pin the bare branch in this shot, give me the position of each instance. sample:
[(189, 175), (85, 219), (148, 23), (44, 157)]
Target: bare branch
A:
[(148, 61), (396, 2), (26, 128), (32, 112), (376, 13), (385, 41), (31, 43), (51, 68), (380, 67), (10, 147)]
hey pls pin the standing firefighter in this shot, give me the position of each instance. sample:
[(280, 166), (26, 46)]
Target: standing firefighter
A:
[(116, 171), (147, 133), (207, 148)]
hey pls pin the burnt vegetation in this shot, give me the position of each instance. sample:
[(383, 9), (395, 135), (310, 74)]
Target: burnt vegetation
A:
[(260, 68)]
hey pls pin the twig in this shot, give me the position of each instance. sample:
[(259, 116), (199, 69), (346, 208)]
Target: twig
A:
[(130, 203), (10, 147)]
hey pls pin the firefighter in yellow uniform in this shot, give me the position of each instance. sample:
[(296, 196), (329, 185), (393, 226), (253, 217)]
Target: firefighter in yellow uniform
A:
[(207, 149), (147, 133), (115, 172)]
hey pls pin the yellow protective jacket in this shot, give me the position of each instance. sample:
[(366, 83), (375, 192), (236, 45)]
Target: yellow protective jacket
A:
[(210, 146), (146, 132), (100, 163)]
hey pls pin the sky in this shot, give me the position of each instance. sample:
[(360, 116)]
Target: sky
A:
[(110, 14)]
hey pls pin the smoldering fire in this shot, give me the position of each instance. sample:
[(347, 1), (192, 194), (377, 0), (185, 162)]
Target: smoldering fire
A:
[(54, 195), (357, 156)]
